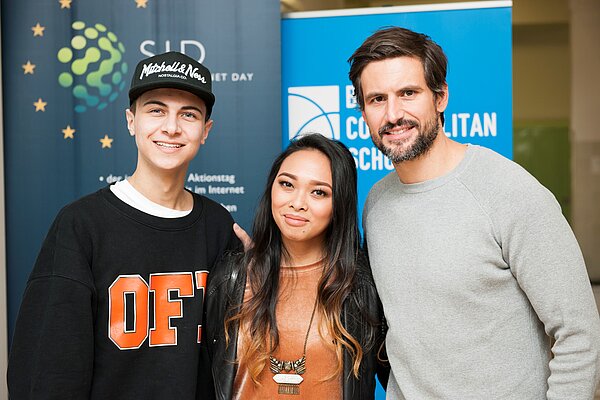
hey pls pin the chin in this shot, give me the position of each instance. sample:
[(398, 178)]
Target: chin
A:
[(171, 164), (292, 237)]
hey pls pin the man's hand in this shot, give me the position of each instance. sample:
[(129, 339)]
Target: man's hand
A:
[(243, 236)]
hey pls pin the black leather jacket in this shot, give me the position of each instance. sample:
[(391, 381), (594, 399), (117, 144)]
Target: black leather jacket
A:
[(226, 286)]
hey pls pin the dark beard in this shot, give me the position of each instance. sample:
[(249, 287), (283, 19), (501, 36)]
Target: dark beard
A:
[(421, 145)]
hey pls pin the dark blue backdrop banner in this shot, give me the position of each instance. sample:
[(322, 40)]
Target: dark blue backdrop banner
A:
[(66, 71)]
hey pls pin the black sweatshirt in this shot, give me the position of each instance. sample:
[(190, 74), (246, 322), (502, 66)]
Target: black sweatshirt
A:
[(113, 306)]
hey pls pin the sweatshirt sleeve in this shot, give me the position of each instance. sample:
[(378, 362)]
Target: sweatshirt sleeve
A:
[(52, 350), (543, 255)]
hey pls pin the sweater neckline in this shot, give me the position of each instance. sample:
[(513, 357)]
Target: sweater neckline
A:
[(153, 221), (303, 268), (435, 183)]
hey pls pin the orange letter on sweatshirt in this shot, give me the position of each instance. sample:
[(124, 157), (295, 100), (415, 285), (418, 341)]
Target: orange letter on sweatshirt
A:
[(163, 334), (117, 330)]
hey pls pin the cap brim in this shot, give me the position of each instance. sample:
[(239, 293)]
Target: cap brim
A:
[(208, 98)]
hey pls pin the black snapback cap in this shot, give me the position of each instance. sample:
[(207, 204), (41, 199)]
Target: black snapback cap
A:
[(172, 70)]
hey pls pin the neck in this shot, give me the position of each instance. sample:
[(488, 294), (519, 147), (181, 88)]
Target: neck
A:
[(163, 189), (303, 253), (442, 157)]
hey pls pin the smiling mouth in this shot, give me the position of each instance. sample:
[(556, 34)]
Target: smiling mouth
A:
[(169, 145), (295, 220), (398, 128), (295, 217)]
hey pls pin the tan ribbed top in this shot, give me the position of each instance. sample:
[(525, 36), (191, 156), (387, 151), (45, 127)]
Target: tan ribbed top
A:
[(298, 290)]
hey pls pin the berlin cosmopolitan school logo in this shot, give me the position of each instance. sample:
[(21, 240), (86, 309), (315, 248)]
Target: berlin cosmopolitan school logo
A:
[(314, 109), (95, 70)]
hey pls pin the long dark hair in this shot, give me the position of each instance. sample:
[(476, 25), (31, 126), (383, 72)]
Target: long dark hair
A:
[(342, 242)]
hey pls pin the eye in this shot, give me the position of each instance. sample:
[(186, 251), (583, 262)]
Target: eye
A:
[(377, 99), (189, 115), (155, 111), (320, 193), (285, 184), (409, 93)]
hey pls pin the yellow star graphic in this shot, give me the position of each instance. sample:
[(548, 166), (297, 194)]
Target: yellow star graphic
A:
[(68, 132), (65, 3), (40, 105), (106, 141), (38, 30), (28, 68), (141, 3)]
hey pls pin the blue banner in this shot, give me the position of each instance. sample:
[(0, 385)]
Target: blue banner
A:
[(66, 70), (317, 95)]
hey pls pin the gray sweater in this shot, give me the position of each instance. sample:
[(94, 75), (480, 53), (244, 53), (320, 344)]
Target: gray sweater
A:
[(483, 285)]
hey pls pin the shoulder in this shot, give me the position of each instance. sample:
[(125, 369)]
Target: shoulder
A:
[(384, 184), (379, 189), (86, 204), (488, 168), (68, 246), (497, 181), (511, 197), (81, 213), (227, 268), (364, 276), (213, 210), (363, 299)]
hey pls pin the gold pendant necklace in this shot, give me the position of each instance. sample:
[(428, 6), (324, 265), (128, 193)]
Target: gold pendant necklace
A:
[(288, 383)]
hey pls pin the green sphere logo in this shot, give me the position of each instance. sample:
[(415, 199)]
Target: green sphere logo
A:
[(96, 66)]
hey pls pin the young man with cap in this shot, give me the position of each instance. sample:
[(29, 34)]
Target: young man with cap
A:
[(113, 308)]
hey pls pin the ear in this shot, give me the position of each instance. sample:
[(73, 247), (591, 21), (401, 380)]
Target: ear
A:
[(130, 117), (207, 127), (441, 100)]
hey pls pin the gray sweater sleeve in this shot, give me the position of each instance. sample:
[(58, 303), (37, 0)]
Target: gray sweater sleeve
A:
[(543, 255)]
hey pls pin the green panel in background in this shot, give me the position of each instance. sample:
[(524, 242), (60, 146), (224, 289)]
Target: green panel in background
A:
[(543, 149)]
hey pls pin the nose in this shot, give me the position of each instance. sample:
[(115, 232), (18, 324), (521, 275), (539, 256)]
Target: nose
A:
[(298, 201), (171, 124), (394, 110)]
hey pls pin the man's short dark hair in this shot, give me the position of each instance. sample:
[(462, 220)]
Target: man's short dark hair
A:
[(400, 42)]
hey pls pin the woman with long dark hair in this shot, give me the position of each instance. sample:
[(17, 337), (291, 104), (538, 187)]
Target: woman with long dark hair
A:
[(298, 313)]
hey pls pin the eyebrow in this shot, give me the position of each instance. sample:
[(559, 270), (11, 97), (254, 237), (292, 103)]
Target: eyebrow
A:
[(313, 182), (414, 88), (160, 103)]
